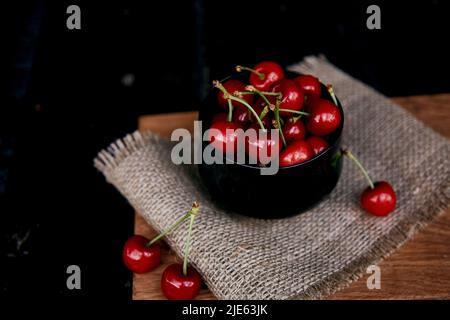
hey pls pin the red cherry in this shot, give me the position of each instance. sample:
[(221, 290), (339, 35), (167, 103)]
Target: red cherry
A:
[(265, 75), (310, 85), (294, 130), (292, 96), (244, 118), (317, 144), (232, 86), (324, 118), (224, 137), (296, 152), (219, 117), (176, 286), (260, 147), (379, 201), (241, 117), (258, 106), (140, 258)]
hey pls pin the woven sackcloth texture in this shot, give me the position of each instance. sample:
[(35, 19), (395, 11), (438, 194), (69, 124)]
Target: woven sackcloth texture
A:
[(312, 254)]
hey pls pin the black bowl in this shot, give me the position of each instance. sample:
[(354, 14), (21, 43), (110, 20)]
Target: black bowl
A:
[(293, 190)]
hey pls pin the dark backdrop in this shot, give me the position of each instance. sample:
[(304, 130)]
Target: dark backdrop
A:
[(63, 98)]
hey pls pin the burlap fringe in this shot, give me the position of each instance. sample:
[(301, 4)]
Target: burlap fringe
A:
[(108, 159)]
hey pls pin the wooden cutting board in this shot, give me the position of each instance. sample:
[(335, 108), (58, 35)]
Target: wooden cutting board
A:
[(418, 270)]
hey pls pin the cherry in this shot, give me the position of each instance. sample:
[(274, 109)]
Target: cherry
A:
[(259, 106), (324, 118), (139, 257), (264, 75), (177, 286), (219, 117), (296, 152), (310, 86), (379, 200), (294, 129), (233, 86), (224, 137), (262, 146), (242, 117), (318, 144), (292, 96), (177, 281), (232, 97)]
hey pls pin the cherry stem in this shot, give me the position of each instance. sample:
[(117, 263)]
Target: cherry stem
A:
[(277, 118), (263, 113), (230, 110), (187, 245), (351, 156), (262, 95), (193, 211), (259, 74), (295, 119), (277, 94), (302, 113), (331, 92), (229, 96)]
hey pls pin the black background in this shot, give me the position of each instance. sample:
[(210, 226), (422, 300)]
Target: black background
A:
[(62, 100)]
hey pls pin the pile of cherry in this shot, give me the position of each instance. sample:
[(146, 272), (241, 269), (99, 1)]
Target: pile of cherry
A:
[(303, 119), (271, 101)]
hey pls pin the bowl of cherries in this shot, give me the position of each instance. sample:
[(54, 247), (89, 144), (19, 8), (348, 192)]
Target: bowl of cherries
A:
[(308, 119)]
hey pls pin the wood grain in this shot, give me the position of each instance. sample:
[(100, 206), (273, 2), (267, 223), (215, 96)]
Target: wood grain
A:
[(418, 270)]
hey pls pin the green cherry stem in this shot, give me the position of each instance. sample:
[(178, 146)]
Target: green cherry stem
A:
[(230, 110), (263, 113), (187, 245), (243, 93), (262, 95), (331, 92), (351, 156), (193, 211), (276, 94), (229, 96), (259, 93), (277, 119), (294, 111), (259, 74)]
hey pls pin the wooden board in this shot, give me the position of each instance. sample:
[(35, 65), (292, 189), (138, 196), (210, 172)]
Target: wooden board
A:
[(418, 270)]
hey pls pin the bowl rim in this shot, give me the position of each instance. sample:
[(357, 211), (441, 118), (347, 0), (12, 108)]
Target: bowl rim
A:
[(339, 130)]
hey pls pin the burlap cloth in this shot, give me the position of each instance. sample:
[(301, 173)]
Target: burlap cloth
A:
[(313, 254)]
